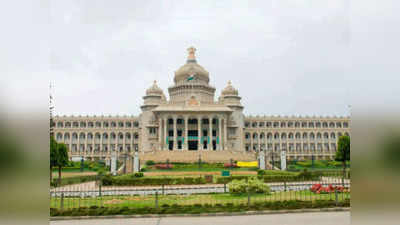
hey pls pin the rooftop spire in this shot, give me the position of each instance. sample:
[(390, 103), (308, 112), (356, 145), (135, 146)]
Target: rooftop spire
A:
[(191, 54)]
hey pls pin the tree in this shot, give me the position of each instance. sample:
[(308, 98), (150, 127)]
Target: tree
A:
[(62, 159), (53, 156), (343, 153)]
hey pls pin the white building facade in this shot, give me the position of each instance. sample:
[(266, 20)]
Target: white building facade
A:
[(191, 120)]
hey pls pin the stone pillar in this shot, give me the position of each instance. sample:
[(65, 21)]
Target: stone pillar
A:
[(175, 133), (210, 133), (165, 122), (136, 167), (225, 133), (114, 164), (186, 134), (283, 160), (251, 141), (160, 133), (220, 133), (199, 133), (261, 158)]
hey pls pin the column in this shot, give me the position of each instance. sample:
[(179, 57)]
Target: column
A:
[(210, 133), (251, 141), (220, 133), (258, 141), (199, 133), (186, 135), (225, 131), (159, 132), (165, 123), (175, 133)]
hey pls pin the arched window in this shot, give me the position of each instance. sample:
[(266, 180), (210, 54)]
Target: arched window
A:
[(112, 136), (338, 124), (59, 136), (254, 124), (319, 136), (326, 135), (298, 135), (290, 124), (283, 124), (325, 124), (305, 136), (297, 124), (60, 124), (347, 134), (120, 124), (318, 124), (283, 136), (89, 136), (345, 124), (269, 136), (90, 124), (128, 136), (276, 124), (136, 136), (247, 135), (66, 137), (311, 124), (128, 124), (333, 136), (83, 124), (82, 136), (269, 124), (105, 124), (276, 136), (261, 124), (113, 124), (255, 135), (74, 136), (67, 124), (291, 136), (304, 124), (136, 124), (98, 124), (312, 136), (262, 136), (120, 136), (340, 134), (105, 136), (332, 125), (97, 136), (75, 124)]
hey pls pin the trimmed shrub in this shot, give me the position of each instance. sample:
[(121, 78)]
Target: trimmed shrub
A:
[(150, 162), (253, 185)]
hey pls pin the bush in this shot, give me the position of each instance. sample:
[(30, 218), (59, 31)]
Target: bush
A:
[(230, 165), (139, 174), (145, 181), (150, 162), (253, 185)]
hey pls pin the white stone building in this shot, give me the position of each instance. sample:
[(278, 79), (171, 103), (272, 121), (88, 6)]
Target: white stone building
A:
[(192, 121)]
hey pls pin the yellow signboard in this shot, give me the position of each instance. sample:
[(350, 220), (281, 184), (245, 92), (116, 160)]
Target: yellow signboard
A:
[(247, 164)]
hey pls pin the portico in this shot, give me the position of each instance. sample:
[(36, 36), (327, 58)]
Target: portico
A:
[(188, 130)]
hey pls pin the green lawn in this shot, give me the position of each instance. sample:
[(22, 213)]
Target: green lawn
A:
[(149, 200)]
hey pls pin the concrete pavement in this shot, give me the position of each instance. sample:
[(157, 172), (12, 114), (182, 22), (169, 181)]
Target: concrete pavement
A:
[(317, 218)]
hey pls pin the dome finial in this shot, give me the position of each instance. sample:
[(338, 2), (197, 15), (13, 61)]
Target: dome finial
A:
[(191, 54)]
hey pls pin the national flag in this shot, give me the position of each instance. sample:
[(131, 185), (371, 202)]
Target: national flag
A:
[(191, 77)]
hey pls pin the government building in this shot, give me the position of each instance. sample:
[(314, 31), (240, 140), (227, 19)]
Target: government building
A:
[(192, 124)]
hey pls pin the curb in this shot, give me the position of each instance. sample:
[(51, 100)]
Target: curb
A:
[(264, 212)]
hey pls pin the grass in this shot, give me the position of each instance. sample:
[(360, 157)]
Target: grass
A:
[(212, 199)]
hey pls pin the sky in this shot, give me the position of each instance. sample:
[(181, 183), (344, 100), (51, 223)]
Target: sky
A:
[(286, 57)]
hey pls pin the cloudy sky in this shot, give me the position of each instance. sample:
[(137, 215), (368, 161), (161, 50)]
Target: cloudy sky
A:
[(287, 57)]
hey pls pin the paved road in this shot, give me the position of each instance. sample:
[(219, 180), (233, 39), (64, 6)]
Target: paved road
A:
[(321, 218)]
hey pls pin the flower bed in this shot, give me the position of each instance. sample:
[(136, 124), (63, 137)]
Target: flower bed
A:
[(319, 189)]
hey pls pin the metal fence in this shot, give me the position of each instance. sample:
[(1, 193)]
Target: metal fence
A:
[(91, 194)]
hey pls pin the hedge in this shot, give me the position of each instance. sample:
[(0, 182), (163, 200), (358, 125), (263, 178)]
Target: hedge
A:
[(197, 208), (73, 180), (143, 181)]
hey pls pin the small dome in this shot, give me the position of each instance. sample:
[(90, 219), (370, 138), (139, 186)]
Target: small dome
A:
[(191, 68), (154, 90), (229, 90)]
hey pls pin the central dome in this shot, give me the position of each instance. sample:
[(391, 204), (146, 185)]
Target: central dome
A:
[(191, 70)]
